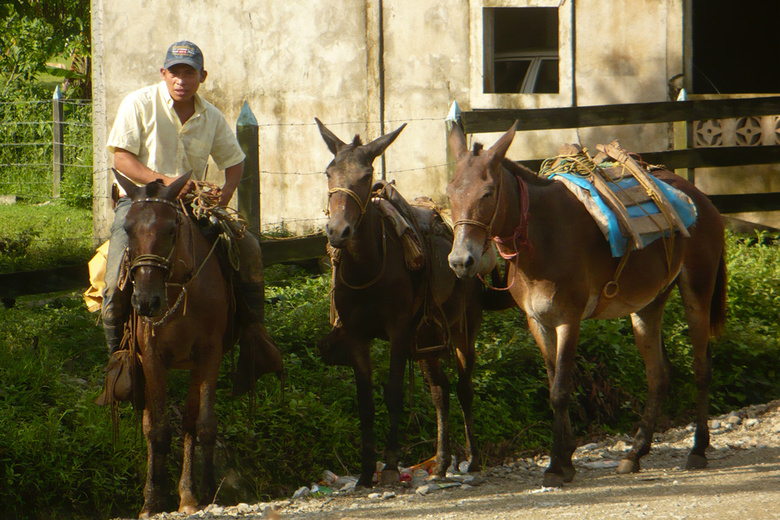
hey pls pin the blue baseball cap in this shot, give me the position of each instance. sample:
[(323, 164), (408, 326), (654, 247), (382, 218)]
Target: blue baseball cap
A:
[(184, 52)]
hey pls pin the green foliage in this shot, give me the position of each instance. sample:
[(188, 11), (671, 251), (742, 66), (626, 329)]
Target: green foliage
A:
[(58, 459), (39, 237), (56, 450), (33, 32), (26, 150)]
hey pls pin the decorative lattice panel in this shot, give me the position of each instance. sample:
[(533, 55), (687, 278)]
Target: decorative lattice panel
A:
[(743, 131)]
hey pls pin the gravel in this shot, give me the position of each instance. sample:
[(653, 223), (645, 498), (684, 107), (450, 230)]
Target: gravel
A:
[(742, 482)]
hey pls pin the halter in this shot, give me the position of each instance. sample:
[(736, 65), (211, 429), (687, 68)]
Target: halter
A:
[(519, 237), (151, 259), (363, 209), (362, 205)]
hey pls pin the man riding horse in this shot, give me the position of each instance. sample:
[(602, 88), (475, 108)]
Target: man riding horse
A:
[(160, 133)]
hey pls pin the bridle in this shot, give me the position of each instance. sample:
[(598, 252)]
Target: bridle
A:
[(164, 262), (151, 259), (519, 237), (354, 196), (363, 209)]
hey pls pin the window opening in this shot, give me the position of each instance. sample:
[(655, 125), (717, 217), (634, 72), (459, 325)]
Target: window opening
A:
[(521, 50)]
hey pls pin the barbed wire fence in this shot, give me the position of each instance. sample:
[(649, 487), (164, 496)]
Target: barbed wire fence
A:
[(38, 146)]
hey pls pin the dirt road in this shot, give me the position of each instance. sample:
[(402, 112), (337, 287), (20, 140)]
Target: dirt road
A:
[(742, 482)]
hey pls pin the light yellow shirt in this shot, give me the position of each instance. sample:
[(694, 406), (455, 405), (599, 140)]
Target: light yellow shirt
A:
[(148, 126)]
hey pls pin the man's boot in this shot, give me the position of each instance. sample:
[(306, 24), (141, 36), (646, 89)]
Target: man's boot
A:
[(114, 329), (258, 354)]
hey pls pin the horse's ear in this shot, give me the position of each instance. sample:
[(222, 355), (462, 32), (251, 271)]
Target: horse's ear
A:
[(376, 147), (173, 189), (333, 142), (127, 185), (457, 140), (499, 149)]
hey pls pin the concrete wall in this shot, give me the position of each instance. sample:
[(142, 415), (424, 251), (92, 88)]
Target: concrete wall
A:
[(292, 60)]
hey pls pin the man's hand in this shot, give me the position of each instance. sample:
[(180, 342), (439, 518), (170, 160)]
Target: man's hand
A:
[(188, 188), (129, 165)]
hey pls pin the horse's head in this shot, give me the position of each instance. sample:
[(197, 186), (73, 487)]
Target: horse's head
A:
[(151, 225), (473, 194), (350, 178)]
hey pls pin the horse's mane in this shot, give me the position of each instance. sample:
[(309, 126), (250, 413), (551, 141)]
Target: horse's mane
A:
[(529, 176), (517, 169)]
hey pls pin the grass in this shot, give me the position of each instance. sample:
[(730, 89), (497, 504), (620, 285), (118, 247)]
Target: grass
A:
[(45, 235), (60, 458)]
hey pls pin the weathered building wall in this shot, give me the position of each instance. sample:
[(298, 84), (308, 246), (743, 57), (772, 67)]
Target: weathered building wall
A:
[(293, 60)]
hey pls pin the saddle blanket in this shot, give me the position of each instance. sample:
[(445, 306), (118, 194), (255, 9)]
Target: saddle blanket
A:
[(608, 221)]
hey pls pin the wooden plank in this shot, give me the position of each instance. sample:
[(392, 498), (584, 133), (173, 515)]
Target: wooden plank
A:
[(499, 120), (650, 224), (632, 196), (747, 202), (715, 157), (619, 210), (56, 279), (620, 155), (276, 251)]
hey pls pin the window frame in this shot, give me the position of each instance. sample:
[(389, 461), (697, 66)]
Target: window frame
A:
[(482, 66)]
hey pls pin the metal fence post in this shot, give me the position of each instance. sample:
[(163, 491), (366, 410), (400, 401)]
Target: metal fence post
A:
[(249, 187), (57, 144)]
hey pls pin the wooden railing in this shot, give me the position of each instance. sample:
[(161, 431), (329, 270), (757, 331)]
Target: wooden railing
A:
[(499, 120)]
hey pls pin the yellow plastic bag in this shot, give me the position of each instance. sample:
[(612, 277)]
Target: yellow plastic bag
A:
[(93, 296)]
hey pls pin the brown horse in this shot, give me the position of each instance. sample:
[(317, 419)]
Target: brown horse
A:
[(377, 296), (185, 322), (559, 262)]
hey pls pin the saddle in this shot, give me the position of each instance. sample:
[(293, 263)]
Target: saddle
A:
[(427, 239), (631, 207)]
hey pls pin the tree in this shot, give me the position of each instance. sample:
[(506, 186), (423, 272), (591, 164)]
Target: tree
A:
[(34, 31)]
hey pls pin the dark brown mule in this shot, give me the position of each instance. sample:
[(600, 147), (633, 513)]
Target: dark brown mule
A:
[(560, 262), (186, 322), (376, 296)]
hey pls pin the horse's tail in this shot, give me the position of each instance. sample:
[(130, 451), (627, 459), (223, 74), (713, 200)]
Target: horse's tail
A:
[(718, 302)]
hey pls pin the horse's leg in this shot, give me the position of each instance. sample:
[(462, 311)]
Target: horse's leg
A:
[(188, 502), (361, 365), (464, 342), (440, 393), (394, 398), (558, 347), (207, 423), (696, 291), (158, 438), (647, 335)]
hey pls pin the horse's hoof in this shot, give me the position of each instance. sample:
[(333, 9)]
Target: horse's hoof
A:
[(364, 483), (568, 473), (553, 480), (389, 477), (696, 462), (628, 466), (188, 509)]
